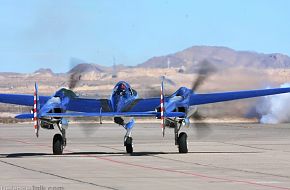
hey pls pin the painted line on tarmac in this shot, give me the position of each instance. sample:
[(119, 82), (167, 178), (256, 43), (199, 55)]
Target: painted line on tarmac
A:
[(47, 173), (199, 175), (56, 175), (209, 165)]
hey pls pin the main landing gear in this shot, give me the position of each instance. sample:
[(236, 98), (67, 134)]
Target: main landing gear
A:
[(128, 140), (59, 140), (180, 138), (57, 144), (182, 143), (128, 143)]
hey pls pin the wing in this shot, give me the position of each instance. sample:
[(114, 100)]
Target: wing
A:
[(197, 99), (82, 104), (21, 99), (89, 105), (75, 104), (94, 105), (143, 105)]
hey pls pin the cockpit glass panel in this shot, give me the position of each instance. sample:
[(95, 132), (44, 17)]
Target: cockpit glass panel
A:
[(120, 89)]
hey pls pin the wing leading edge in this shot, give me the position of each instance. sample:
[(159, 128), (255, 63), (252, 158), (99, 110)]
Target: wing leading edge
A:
[(197, 99)]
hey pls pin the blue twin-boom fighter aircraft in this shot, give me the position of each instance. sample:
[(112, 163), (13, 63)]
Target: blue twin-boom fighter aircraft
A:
[(123, 105)]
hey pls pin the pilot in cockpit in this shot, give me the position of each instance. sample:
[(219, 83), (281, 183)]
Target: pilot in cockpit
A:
[(121, 90)]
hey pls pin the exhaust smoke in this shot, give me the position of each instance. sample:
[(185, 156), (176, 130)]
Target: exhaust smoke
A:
[(274, 109)]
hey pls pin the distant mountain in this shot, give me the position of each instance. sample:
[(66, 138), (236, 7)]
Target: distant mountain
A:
[(222, 56), (187, 60), (44, 72)]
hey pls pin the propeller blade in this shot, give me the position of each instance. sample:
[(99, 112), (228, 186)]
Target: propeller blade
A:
[(162, 107), (201, 128), (88, 129), (35, 110), (204, 71), (76, 72), (197, 116), (74, 80), (154, 91)]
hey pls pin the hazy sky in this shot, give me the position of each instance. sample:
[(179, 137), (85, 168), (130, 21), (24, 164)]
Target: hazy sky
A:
[(47, 33)]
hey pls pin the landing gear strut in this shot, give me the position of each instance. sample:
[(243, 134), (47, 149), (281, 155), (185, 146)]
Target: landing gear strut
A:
[(128, 140), (59, 141), (180, 139)]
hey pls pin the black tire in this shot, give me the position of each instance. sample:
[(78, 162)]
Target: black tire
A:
[(129, 145), (129, 148), (57, 144), (182, 143)]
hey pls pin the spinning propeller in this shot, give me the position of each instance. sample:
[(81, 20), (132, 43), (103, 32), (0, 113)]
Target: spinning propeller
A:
[(75, 74), (205, 70), (74, 79), (35, 110)]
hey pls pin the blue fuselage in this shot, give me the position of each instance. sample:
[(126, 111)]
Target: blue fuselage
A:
[(122, 97)]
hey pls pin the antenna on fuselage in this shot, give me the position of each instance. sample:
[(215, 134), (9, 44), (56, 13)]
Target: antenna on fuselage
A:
[(114, 72)]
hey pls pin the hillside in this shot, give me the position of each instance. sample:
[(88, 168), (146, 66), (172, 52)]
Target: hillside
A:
[(237, 70), (220, 56)]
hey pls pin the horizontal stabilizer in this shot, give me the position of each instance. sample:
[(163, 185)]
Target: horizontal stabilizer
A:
[(113, 114), (170, 114), (24, 116)]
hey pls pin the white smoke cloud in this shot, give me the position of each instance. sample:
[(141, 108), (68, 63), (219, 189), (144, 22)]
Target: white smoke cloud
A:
[(274, 109)]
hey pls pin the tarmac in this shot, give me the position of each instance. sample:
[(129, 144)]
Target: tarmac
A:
[(224, 156)]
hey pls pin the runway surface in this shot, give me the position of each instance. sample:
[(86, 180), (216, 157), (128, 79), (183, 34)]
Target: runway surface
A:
[(232, 156)]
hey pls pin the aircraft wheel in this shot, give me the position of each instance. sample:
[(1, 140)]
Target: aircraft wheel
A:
[(182, 143), (57, 144), (129, 145)]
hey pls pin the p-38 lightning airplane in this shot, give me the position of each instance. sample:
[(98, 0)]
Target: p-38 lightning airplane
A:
[(174, 110)]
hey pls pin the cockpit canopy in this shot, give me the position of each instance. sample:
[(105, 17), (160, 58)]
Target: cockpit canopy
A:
[(122, 88), (63, 92)]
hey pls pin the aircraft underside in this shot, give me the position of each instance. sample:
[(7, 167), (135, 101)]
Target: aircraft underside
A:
[(60, 140)]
